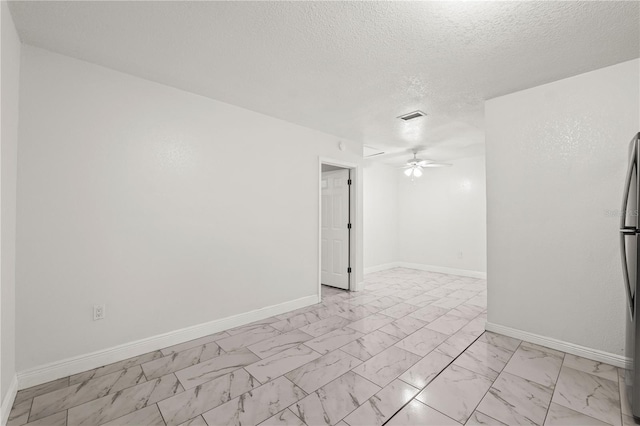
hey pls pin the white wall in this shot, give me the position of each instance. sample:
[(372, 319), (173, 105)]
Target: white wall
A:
[(556, 160), (442, 217), (170, 208), (427, 222), (380, 215), (10, 76)]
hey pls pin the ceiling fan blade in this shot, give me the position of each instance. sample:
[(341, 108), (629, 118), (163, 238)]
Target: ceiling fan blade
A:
[(437, 165)]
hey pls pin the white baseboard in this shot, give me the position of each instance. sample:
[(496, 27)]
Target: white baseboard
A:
[(442, 270), (78, 364), (570, 348), (379, 268), (358, 286), (7, 401)]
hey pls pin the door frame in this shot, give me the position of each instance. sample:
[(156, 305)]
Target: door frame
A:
[(355, 216)]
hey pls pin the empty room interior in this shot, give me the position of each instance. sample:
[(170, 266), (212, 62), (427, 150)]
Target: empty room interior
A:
[(319, 213)]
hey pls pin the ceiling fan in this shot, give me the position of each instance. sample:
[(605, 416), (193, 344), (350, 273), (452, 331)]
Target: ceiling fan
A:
[(415, 165)]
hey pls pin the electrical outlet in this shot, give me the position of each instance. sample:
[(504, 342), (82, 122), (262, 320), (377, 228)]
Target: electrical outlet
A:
[(99, 312)]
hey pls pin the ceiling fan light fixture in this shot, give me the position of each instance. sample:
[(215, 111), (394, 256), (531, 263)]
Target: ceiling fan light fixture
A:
[(413, 167)]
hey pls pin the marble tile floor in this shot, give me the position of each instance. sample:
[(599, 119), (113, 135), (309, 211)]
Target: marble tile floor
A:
[(410, 349)]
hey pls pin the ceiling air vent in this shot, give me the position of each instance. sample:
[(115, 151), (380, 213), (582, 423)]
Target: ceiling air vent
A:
[(411, 115)]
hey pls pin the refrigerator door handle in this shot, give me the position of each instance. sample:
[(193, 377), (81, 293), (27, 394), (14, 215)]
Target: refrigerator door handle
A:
[(624, 229), (625, 271), (633, 163)]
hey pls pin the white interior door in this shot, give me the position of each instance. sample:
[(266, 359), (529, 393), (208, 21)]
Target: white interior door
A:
[(335, 231)]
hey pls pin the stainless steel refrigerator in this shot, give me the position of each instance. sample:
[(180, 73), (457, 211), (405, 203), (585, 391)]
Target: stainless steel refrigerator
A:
[(629, 239)]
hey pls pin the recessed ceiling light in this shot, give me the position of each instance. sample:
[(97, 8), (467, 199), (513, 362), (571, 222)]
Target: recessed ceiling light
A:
[(411, 115)]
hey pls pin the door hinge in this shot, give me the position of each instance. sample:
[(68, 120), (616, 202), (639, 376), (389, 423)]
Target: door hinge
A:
[(348, 226), (349, 182), (349, 270)]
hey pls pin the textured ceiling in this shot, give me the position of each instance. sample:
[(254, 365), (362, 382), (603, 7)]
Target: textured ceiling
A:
[(346, 68)]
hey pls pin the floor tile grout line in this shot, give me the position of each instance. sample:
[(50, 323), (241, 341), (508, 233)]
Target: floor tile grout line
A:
[(285, 374), (68, 386), (164, 399), (250, 375), (253, 390), (492, 418), (555, 381), (425, 326), (161, 415), (435, 409), (430, 381), (119, 417), (350, 370), (590, 374), (381, 389), (307, 394), (105, 395), (20, 391), (164, 356), (346, 415), (346, 344), (249, 331), (555, 386), (302, 313), (484, 374), (621, 383), (562, 365), (369, 380), (30, 409), (492, 382), (205, 420), (130, 387), (572, 408), (206, 360), (106, 365), (586, 415), (230, 399), (195, 346)]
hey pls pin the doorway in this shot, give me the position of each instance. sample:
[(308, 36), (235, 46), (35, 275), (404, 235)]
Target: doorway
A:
[(353, 256), (337, 226), (335, 238)]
